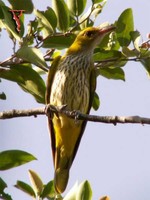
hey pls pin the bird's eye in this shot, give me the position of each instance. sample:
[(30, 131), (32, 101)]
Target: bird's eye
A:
[(89, 33)]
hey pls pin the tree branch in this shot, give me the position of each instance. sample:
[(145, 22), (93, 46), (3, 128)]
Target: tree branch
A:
[(75, 115)]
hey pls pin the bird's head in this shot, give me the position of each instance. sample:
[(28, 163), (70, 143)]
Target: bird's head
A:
[(88, 38)]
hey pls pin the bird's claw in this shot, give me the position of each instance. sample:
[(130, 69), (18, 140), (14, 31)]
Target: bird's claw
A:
[(61, 108), (50, 109), (76, 114)]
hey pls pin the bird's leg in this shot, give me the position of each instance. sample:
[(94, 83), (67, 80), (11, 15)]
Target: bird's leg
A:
[(61, 108), (76, 114), (51, 109)]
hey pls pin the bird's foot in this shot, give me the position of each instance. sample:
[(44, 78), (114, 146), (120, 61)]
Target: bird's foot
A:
[(51, 109), (48, 111), (76, 114)]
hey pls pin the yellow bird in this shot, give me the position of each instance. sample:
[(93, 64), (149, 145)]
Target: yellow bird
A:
[(72, 82)]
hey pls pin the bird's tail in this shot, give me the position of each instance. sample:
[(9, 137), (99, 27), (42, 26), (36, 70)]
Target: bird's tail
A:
[(62, 168), (61, 179)]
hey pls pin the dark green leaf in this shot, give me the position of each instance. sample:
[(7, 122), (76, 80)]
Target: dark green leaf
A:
[(51, 16), (32, 55), (36, 182), (3, 96), (85, 20), (84, 191), (102, 55), (111, 58), (125, 25), (3, 185), (19, 5), (14, 158), (28, 79), (44, 19), (2, 3), (1, 11), (5, 196), (25, 188), (59, 42), (62, 14), (9, 23), (112, 73), (97, 1), (49, 190), (129, 52), (96, 102), (76, 7), (146, 63)]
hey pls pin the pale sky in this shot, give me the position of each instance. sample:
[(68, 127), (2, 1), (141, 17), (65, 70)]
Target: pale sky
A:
[(114, 159)]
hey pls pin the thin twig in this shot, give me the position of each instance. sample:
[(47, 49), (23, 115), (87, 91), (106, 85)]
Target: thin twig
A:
[(7, 60), (79, 23), (76, 115)]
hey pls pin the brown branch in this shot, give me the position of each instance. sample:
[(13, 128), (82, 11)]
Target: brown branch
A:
[(76, 115), (21, 113)]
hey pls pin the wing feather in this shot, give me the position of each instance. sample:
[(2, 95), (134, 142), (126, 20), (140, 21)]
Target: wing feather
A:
[(51, 73)]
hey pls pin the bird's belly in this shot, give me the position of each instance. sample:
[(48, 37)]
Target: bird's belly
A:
[(70, 87), (71, 90)]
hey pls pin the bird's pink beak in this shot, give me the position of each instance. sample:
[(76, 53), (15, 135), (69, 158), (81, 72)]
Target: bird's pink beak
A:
[(107, 29)]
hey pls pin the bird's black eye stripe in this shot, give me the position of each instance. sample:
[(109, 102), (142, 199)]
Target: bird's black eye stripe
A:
[(89, 33)]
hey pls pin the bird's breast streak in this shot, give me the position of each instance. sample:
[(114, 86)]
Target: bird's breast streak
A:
[(70, 87)]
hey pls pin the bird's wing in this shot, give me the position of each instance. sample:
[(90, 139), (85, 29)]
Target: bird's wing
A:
[(92, 91), (50, 77)]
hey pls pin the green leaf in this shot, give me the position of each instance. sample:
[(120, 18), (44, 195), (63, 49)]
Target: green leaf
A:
[(32, 55), (19, 5), (3, 185), (28, 79), (84, 191), (25, 188), (14, 158), (1, 11), (129, 52), (9, 23), (49, 190), (62, 14), (45, 19), (146, 63), (116, 73), (1, 3), (97, 10), (59, 42), (125, 25), (3, 195), (97, 1), (51, 16), (96, 102), (76, 7), (36, 182), (111, 58), (135, 36), (3, 96), (71, 195), (103, 55), (85, 20)]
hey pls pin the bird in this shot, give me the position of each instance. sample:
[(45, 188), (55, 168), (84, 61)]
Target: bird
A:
[(71, 82)]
